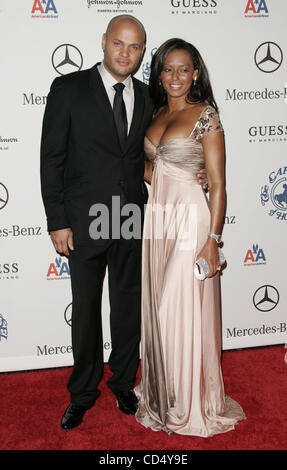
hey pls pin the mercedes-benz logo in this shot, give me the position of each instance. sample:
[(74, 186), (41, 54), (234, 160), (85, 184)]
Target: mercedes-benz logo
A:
[(67, 58), (4, 196), (68, 314), (266, 298), (268, 57)]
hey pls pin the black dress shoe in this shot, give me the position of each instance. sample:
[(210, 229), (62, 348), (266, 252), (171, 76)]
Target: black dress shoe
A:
[(127, 402), (73, 416)]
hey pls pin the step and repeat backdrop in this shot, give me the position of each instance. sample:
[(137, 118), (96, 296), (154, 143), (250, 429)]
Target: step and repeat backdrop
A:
[(244, 45)]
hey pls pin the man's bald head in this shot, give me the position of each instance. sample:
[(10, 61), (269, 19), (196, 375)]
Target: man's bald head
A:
[(123, 45), (127, 19)]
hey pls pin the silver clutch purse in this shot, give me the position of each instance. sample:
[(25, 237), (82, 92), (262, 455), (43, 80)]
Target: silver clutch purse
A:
[(201, 266)]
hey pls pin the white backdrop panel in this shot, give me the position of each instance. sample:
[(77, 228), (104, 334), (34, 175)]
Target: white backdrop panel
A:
[(34, 281)]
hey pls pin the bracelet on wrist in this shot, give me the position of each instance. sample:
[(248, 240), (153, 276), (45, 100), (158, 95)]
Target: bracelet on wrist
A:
[(216, 237)]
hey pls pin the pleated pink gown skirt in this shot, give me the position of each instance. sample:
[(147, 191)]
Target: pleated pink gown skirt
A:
[(181, 389)]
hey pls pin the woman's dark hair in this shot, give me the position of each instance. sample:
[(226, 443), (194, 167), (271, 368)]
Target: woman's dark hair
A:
[(201, 92)]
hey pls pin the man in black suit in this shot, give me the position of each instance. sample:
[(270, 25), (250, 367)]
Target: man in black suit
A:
[(92, 152)]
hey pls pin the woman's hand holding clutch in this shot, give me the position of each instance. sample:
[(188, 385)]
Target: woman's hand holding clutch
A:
[(210, 254)]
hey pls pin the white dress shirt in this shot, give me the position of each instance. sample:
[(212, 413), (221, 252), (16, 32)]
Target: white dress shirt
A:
[(128, 93)]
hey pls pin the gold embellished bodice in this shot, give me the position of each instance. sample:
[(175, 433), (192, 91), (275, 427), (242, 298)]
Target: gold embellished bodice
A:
[(186, 152)]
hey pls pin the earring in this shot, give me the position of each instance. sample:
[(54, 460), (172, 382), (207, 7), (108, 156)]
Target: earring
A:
[(194, 82)]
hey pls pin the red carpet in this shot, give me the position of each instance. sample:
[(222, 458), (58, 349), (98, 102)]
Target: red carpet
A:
[(32, 404)]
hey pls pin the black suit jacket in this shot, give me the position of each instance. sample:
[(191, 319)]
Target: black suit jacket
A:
[(82, 162)]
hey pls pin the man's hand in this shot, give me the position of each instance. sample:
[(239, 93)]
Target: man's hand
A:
[(62, 240), (202, 178)]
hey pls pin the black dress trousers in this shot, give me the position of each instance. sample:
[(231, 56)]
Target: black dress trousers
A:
[(88, 266)]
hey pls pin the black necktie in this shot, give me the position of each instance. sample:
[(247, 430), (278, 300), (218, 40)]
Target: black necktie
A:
[(120, 113)]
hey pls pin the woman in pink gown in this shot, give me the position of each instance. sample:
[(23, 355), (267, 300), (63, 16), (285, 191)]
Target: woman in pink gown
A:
[(181, 389)]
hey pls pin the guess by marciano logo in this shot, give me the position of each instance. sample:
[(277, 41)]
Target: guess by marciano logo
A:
[(268, 133), (9, 271), (44, 9), (187, 7), (274, 194), (256, 9)]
